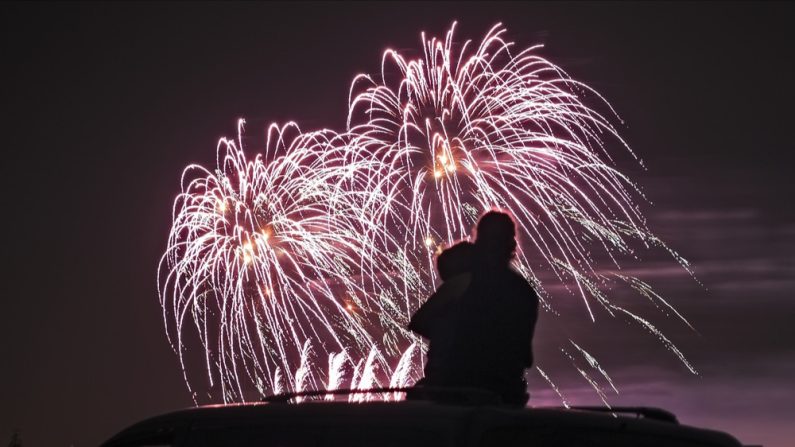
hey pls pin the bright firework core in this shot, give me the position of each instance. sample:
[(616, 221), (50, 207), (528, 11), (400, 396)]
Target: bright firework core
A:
[(298, 268)]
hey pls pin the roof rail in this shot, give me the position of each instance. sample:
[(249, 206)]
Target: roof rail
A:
[(460, 396), (286, 397), (657, 414)]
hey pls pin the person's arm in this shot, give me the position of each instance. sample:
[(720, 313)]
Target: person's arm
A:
[(426, 317), (421, 320)]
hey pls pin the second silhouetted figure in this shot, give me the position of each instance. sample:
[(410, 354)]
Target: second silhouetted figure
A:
[(480, 321)]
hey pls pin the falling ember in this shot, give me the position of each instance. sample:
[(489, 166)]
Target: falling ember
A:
[(337, 231)]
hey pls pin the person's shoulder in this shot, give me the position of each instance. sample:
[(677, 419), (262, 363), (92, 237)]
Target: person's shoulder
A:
[(517, 277), (521, 283), (458, 283), (454, 286)]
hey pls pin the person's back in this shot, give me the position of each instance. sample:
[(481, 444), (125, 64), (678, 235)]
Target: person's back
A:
[(494, 328), (484, 341)]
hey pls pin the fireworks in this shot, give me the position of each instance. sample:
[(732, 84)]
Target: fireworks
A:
[(261, 262), (322, 247)]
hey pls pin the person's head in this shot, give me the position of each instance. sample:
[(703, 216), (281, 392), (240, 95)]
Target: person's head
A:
[(496, 237), (455, 260)]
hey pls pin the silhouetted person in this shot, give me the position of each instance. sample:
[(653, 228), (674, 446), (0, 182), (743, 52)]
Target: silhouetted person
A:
[(480, 321), (435, 319)]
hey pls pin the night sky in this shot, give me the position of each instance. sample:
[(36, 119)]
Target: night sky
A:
[(103, 106)]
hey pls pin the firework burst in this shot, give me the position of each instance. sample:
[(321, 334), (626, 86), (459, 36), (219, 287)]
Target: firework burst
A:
[(266, 261), (481, 128)]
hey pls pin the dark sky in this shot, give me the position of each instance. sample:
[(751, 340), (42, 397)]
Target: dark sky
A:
[(103, 105)]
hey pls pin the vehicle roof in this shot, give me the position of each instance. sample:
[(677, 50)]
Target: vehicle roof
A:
[(431, 414)]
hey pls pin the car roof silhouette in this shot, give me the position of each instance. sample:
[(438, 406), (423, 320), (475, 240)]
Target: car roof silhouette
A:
[(417, 422)]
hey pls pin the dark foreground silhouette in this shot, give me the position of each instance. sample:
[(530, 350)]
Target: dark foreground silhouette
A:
[(480, 321)]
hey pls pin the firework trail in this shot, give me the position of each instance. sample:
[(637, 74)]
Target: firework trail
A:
[(323, 246)]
